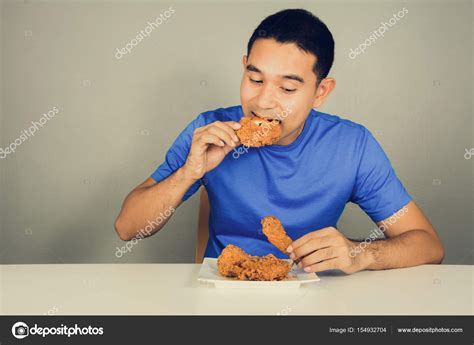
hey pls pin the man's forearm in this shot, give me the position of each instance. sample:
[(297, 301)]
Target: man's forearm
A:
[(414, 247), (144, 205)]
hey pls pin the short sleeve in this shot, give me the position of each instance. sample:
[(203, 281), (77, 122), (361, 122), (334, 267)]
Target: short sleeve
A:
[(377, 189), (177, 154)]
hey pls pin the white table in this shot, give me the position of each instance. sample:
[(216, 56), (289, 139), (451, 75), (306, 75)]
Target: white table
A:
[(173, 289)]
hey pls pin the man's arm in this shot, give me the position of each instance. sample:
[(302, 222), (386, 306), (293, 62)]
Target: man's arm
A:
[(150, 199), (208, 147), (411, 241)]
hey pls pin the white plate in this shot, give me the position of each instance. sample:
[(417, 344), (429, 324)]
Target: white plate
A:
[(210, 274)]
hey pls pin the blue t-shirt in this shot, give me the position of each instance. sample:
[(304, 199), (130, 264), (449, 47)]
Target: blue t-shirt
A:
[(305, 184)]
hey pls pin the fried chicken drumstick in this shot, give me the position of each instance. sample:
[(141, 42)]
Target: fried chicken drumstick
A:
[(257, 131), (234, 262), (276, 234)]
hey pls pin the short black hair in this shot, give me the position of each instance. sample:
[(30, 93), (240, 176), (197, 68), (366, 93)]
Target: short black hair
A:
[(302, 28)]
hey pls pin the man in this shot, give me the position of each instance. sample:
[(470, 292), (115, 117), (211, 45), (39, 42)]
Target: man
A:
[(320, 163)]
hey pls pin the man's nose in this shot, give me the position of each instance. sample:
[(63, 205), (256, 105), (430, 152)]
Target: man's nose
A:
[(266, 98)]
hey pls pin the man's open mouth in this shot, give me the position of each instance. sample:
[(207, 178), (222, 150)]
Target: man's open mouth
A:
[(266, 118)]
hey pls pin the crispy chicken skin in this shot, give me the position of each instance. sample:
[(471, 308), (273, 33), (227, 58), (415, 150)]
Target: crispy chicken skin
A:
[(235, 263), (276, 234), (257, 132)]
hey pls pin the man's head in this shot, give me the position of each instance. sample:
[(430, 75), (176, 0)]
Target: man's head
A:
[(289, 56)]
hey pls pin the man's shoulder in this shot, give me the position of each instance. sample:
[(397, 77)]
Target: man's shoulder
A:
[(345, 127), (335, 120), (233, 113)]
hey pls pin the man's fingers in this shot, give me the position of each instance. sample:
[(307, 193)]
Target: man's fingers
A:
[(319, 256), (330, 264), (222, 134), (229, 128), (233, 124), (227, 149), (310, 246), (310, 235), (208, 138)]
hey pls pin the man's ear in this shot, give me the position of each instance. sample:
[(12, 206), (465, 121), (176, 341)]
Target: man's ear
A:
[(244, 61), (322, 92)]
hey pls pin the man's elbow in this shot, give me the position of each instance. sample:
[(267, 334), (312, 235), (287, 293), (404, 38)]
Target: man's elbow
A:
[(121, 230), (438, 252), (441, 253)]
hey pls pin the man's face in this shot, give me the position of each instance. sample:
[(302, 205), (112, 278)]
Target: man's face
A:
[(279, 81)]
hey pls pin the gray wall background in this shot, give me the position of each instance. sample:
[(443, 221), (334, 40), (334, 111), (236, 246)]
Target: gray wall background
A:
[(62, 189)]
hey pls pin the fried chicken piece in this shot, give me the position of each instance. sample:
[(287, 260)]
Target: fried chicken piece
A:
[(257, 132), (234, 262), (229, 263), (267, 267), (276, 234)]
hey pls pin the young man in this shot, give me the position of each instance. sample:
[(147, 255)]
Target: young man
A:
[(320, 163)]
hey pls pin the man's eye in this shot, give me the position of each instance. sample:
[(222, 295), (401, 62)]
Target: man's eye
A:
[(288, 90), (256, 81)]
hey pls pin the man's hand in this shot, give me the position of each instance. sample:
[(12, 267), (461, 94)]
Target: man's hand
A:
[(326, 249), (210, 145)]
